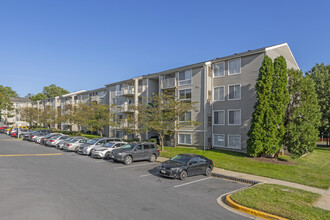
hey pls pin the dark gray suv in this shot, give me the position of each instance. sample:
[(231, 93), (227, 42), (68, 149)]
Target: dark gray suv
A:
[(136, 151)]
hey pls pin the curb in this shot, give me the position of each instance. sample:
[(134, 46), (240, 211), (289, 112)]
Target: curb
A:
[(254, 212), (252, 182)]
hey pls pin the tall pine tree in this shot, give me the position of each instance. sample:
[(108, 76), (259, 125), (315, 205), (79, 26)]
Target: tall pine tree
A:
[(302, 116), (280, 101), (262, 134)]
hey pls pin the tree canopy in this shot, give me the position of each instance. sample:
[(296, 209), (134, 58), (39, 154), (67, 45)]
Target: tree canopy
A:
[(37, 97), (8, 91), (53, 90)]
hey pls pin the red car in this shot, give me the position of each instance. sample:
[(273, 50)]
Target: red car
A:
[(13, 134)]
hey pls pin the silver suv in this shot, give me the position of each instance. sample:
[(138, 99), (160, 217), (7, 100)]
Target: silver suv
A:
[(104, 151), (86, 149)]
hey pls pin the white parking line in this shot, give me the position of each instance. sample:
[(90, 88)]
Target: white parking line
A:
[(148, 174), (195, 181), (129, 166)]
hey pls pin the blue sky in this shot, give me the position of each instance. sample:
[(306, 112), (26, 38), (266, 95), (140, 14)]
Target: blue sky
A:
[(85, 44)]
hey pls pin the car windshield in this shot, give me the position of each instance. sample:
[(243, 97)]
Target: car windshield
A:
[(129, 146), (73, 140), (93, 141), (109, 144), (181, 159), (69, 139)]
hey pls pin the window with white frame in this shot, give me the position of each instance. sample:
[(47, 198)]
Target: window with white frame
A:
[(184, 138), (185, 77), (234, 67), (219, 140), (186, 117), (234, 92), (219, 93), (219, 69), (234, 117), (185, 94), (234, 141), (219, 117)]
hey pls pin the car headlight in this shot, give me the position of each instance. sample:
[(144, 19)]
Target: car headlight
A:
[(176, 169)]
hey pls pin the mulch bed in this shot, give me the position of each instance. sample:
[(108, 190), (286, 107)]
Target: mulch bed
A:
[(273, 160)]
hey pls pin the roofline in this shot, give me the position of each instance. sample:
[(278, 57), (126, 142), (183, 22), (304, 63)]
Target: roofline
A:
[(73, 93)]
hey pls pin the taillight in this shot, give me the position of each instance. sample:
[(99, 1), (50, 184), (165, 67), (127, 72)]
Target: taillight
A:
[(52, 140), (32, 136), (68, 144), (158, 150)]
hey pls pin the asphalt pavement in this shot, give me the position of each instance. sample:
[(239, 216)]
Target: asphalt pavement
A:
[(39, 183)]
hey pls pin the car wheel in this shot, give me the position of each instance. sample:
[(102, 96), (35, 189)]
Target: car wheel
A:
[(128, 160), (106, 156), (152, 158), (208, 171), (183, 175)]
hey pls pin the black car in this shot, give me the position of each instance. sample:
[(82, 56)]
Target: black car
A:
[(183, 165), (136, 151)]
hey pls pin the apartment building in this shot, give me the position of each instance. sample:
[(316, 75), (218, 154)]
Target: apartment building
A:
[(223, 90), (67, 103), (13, 117)]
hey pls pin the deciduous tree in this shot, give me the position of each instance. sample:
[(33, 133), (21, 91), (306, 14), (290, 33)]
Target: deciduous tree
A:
[(162, 113)]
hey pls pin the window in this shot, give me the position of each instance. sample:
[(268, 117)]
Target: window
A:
[(185, 117), (219, 117), (219, 93), (185, 77), (185, 94), (234, 92), (234, 117), (219, 140), (234, 141), (139, 147), (234, 67), (184, 138), (218, 69)]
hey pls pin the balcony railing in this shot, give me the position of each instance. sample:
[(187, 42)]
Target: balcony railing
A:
[(127, 107), (128, 91)]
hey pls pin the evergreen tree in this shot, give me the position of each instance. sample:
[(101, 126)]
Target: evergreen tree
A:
[(280, 101), (262, 134), (302, 116)]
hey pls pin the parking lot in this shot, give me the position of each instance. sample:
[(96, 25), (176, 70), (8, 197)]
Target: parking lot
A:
[(39, 182)]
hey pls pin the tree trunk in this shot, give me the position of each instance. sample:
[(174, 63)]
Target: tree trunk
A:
[(162, 142), (100, 132)]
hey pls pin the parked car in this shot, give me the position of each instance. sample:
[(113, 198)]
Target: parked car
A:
[(86, 148), (104, 151), (73, 144), (183, 165), (61, 143), (53, 140), (135, 152), (43, 139), (21, 132), (3, 129), (38, 133)]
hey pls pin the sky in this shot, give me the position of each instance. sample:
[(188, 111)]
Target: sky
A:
[(85, 44)]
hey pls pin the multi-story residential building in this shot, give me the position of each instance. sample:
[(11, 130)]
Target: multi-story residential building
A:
[(223, 90), (13, 117), (67, 103)]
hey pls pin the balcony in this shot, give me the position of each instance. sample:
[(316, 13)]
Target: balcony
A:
[(128, 91), (127, 107), (168, 83), (117, 93)]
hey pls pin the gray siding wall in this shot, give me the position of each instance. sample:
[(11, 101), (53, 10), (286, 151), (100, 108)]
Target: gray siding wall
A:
[(247, 79), (197, 95), (286, 53)]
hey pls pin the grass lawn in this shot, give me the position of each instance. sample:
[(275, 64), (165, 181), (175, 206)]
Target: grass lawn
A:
[(283, 201), (311, 170)]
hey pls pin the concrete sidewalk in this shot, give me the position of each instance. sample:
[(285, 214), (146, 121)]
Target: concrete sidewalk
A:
[(323, 202)]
